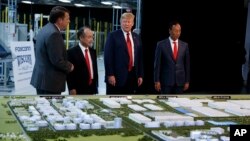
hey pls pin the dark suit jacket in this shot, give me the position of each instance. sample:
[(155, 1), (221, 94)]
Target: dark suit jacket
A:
[(78, 78), (116, 57), (51, 64), (166, 70)]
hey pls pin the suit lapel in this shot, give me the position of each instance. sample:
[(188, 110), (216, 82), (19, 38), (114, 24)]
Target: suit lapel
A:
[(81, 55), (169, 49), (136, 43), (123, 41)]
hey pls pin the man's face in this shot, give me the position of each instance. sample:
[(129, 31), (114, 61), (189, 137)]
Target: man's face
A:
[(64, 21), (88, 39), (127, 24), (175, 32)]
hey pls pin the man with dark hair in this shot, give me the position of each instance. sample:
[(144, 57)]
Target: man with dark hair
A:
[(84, 78), (51, 66), (172, 63)]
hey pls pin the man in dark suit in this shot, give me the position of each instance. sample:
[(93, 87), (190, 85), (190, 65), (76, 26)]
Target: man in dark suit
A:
[(123, 59), (51, 66), (84, 78), (172, 63)]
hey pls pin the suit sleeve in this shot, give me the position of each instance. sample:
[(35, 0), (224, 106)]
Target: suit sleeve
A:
[(187, 64), (109, 55), (57, 52), (96, 72), (71, 77), (157, 63), (140, 59)]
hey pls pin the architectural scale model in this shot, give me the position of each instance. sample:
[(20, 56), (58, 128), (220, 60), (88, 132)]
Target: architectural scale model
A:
[(142, 118)]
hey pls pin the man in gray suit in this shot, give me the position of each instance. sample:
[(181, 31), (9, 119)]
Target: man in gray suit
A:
[(51, 66), (172, 63)]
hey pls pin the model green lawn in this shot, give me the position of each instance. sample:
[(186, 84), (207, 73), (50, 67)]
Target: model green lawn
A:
[(6, 127), (4, 118)]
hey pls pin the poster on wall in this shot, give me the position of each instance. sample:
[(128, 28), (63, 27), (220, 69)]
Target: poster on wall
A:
[(24, 60)]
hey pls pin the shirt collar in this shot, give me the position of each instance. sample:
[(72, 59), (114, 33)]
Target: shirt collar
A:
[(170, 39), (57, 27), (82, 47)]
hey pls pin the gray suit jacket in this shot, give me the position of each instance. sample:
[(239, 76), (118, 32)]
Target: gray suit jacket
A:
[(166, 70), (51, 64)]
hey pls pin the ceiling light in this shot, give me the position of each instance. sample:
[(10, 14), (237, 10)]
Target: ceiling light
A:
[(117, 7), (106, 2), (65, 1), (27, 2), (79, 5)]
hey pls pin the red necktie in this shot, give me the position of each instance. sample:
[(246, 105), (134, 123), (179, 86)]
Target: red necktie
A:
[(129, 46), (175, 51), (88, 65)]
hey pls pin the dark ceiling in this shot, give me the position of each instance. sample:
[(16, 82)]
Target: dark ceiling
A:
[(132, 4)]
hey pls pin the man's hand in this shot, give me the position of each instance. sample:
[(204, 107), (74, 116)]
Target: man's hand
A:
[(139, 81), (157, 86), (111, 80), (72, 92), (186, 86)]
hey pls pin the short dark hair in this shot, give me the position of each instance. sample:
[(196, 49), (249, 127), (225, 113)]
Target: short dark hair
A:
[(172, 23), (81, 31), (57, 12)]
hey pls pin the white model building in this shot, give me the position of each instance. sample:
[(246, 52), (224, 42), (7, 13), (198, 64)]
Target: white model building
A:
[(179, 123), (80, 105), (164, 135), (88, 119), (140, 101), (77, 120), (195, 134), (96, 126), (24, 118), (172, 104), (59, 126), (199, 123), (35, 118), (243, 103), (173, 118), (218, 130), (185, 102), (222, 105), (109, 124), (224, 138), (189, 123), (139, 118), (118, 122), (238, 111), (31, 108), (89, 106), (111, 103), (136, 107), (84, 126), (66, 119), (153, 124), (59, 118), (70, 126), (153, 107), (51, 119), (97, 118), (169, 123), (32, 128), (42, 100), (123, 101), (210, 112), (42, 123)]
